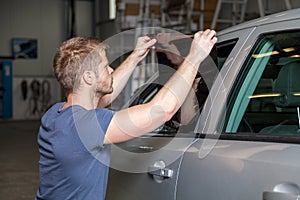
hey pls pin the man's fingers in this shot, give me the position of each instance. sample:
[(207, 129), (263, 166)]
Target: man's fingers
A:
[(198, 34), (211, 34), (146, 42), (214, 39), (150, 43)]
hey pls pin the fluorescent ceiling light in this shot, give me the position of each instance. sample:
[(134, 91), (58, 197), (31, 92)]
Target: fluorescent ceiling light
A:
[(264, 95), (261, 55)]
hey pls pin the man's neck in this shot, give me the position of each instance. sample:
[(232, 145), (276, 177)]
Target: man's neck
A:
[(86, 101)]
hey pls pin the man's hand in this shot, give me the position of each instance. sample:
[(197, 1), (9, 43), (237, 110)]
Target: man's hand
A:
[(143, 46), (201, 46)]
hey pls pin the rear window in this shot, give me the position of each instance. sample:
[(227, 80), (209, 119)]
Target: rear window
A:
[(266, 97)]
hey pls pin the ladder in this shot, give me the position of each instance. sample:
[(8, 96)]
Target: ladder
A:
[(238, 12), (261, 7), (147, 67), (177, 14)]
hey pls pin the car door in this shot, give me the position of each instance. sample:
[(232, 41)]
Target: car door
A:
[(248, 144), (146, 167)]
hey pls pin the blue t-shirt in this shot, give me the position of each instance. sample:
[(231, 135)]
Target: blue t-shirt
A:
[(73, 159)]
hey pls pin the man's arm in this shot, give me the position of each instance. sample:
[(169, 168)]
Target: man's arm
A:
[(124, 71), (138, 120)]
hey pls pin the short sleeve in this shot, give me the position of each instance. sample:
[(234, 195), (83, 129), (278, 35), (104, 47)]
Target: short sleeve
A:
[(104, 118), (91, 128)]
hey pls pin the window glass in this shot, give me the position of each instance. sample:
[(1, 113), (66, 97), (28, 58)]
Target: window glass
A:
[(145, 93), (223, 51), (266, 96)]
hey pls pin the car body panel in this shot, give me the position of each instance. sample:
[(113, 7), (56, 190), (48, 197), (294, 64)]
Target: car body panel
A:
[(141, 154), (237, 170)]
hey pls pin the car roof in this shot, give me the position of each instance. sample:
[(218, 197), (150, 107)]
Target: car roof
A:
[(278, 17)]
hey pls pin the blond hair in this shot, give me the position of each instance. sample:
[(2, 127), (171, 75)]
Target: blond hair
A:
[(75, 56)]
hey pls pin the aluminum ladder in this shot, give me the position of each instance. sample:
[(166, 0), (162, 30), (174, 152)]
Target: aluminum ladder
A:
[(238, 12), (261, 7)]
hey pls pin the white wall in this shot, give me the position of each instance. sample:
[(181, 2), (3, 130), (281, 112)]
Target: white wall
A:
[(24, 108), (84, 18), (40, 19), (43, 20)]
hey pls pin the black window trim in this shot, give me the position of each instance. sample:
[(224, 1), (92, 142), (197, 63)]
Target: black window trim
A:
[(250, 137)]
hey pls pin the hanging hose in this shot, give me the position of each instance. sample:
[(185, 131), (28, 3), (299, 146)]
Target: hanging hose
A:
[(40, 98), (45, 95), (33, 103), (24, 89)]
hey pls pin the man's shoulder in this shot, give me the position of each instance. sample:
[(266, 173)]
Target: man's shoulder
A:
[(104, 113), (105, 110), (56, 107)]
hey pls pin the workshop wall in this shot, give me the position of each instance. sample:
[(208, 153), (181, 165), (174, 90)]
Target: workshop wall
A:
[(44, 21), (38, 19), (31, 102)]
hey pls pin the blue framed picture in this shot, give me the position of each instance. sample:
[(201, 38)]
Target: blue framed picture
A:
[(24, 48)]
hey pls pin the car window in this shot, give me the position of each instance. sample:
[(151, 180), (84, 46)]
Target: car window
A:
[(266, 96), (148, 91), (224, 49)]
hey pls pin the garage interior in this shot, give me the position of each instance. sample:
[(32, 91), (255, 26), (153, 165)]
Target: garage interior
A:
[(27, 84)]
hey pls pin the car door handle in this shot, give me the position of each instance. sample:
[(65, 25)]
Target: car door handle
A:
[(283, 191), (146, 148), (161, 172)]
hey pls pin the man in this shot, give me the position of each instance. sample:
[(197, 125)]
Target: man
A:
[(74, 136)]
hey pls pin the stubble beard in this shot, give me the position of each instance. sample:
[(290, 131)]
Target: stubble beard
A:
[(103, 90)]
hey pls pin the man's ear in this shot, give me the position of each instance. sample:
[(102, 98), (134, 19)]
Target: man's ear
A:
[(88, 77)]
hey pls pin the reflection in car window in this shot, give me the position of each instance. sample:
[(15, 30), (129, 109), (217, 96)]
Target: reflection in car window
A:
[(266, 97), (224, 49)]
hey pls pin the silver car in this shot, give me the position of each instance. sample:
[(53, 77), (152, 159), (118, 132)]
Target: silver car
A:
[(244, 144)]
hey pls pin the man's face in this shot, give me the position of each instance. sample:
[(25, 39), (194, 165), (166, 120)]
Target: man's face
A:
[(105, 79)]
